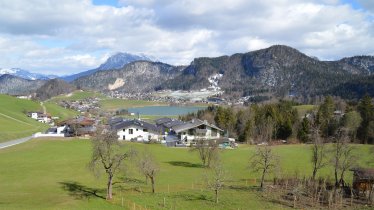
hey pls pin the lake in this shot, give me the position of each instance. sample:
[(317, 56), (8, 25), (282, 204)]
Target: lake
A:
[(165, 110)]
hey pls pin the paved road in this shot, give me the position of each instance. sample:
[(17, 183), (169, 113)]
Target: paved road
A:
[(14, 142)]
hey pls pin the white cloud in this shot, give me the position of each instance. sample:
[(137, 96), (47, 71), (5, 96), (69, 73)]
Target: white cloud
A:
[(175, 31)]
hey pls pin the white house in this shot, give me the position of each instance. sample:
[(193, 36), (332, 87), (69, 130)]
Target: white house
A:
[(136, 130), (188, 133), (34, 115), (41, 117)]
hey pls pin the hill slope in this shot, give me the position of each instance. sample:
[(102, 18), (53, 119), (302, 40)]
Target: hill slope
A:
[(14, 85), (279, 69), (14, 122), (52, 88), (138, 76)]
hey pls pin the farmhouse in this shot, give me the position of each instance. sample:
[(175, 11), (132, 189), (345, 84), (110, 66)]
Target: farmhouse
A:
[(80, 126), (135, 130), (167, 124), (39, 116), (189, 132), (186, 133), (363, 180)]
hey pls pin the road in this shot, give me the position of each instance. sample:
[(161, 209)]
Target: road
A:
[(21, 140), (14, 142)]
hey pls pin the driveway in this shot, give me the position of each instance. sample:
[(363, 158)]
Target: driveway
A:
[(14, 142)]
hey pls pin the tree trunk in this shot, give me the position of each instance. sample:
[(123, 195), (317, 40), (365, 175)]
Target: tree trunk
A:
[(153, 184), (216, 196), (314, 173), (146, 180), (109, 195), (263, 178), (336, 178)]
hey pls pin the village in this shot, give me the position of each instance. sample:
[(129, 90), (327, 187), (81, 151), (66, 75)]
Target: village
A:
[(167, 131)]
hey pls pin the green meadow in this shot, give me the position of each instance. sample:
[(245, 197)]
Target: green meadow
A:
[(58, 111), (53, 174), (303, 109), (14, 122), (77, 95)]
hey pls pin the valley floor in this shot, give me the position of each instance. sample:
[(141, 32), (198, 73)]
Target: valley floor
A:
[(53, 174)]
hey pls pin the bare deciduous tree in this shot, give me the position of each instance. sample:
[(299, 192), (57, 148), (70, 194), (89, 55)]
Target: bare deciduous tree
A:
[(264, 130), (343, 157), (264, 161), (148, 167), (318, 152), (207, 150), (107, 156), (215, 177)]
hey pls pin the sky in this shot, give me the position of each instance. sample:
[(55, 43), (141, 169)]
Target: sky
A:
[(69, 36)]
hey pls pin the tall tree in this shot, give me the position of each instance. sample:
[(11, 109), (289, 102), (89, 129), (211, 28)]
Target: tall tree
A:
[(352, 120), (304, 130), (148, 166), (365, 108), (107, 156), (342, 158), (264, 130), (325, 115), (215, 177), (207, 150), (318, 152), (263, 161)]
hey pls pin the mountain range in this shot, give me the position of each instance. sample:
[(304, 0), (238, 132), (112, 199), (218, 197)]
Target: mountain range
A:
[(26, 74), (277, 71), (116, 61)]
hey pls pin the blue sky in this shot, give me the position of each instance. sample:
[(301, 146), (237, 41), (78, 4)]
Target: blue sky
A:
[(113, 3), (64, 37)]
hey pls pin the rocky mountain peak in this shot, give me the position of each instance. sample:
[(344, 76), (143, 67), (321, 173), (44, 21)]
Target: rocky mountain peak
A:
[(119, 60)]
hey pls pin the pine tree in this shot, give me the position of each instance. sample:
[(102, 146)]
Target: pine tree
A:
[(365, 108), (304, 130)]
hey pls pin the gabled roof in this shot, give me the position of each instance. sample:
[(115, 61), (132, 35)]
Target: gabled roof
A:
[(83, 121), (163, 120), (127, 123), (364, 173), (193, 124)]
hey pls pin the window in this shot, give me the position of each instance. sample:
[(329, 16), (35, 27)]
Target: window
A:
[(124, 130), (145, 130), (123, 137), (131, 131), (136, 129)]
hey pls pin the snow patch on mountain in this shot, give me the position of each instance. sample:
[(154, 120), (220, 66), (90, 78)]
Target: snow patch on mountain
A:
[(213, 80), (25, 74)]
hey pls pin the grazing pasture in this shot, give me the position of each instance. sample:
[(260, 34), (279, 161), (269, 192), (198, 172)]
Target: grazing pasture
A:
[(53, 174)]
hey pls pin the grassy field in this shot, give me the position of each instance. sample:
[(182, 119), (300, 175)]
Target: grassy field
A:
[(115, 104), (53, 174), (13, 121), (58, 111), (303, 109), (77, 95)]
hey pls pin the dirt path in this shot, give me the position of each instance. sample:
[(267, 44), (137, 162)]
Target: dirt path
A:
[(15, 119), (44, 109)]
